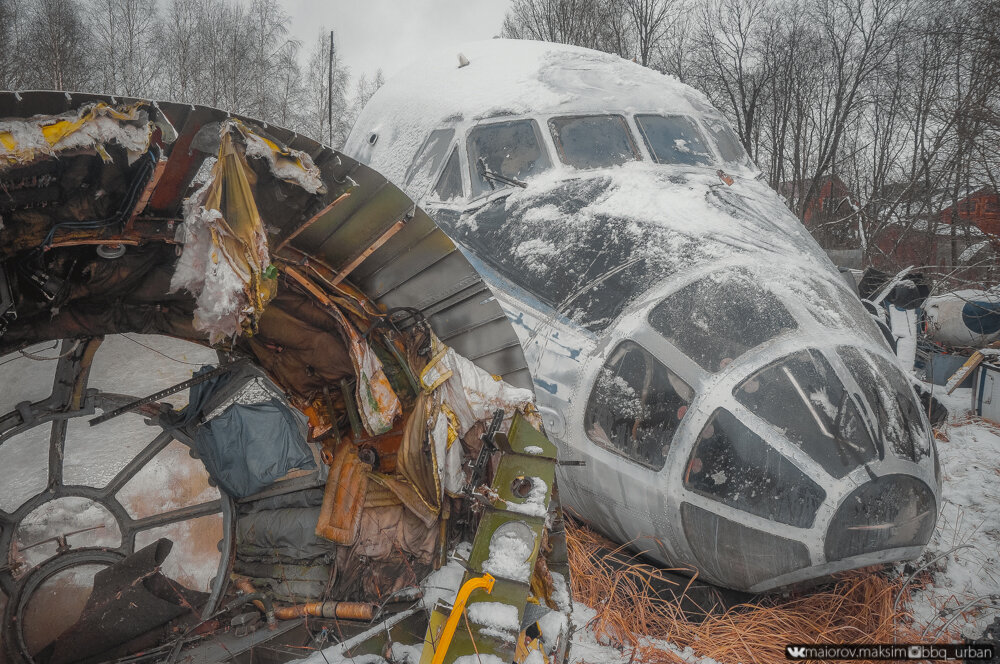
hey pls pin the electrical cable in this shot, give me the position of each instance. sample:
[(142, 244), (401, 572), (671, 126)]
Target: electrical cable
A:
[(135, 341), (39, 358), (146, 169)]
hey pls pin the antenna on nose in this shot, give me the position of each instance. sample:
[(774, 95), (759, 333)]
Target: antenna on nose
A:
[(462, 61)]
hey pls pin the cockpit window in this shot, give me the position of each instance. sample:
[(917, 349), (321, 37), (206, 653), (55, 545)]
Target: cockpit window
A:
[(449, 185), (732, 464), (593, 141), (730, 148), (636, 406), (428, 161), (715, 320), (802, 395), (674, 139), (511, 150), (892, 400)]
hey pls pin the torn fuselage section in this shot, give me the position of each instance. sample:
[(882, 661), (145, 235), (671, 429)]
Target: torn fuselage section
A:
[(256, 399)]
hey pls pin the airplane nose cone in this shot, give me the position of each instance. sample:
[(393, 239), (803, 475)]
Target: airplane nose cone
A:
[(830, 447), (890, 512)]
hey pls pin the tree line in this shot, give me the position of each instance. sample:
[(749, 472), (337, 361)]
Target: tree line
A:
[(238, 56), (899, 99)]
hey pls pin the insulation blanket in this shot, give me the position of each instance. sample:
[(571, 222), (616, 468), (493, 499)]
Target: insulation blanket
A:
[(90, 128), (225, 262), (464, 395)]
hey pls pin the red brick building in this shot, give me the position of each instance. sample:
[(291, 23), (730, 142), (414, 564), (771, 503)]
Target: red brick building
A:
[(962, 234), (980, 208), (831, 215)]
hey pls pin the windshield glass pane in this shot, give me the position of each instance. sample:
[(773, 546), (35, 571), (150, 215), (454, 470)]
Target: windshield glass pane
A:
[(892, 400), (802, 395), (593, 141), (449, 185), (732, 464), (715, 320), (730, 148), (511, 150), (636, 406), (674, 139), (428, 161)]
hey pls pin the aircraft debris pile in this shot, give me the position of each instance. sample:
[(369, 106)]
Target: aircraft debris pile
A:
[(371, 467)]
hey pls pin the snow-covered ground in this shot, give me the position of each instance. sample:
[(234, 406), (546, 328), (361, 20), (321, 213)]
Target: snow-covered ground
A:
[(967, 577)]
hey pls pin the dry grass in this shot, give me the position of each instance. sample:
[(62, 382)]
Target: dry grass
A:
[(856, 608)]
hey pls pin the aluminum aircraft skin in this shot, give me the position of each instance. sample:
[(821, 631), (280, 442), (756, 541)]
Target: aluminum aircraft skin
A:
[(733, 408)]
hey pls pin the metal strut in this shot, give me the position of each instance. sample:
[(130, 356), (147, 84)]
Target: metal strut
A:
[(179, 387)]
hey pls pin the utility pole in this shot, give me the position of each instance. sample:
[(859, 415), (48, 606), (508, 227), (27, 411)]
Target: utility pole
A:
[(329, 94)]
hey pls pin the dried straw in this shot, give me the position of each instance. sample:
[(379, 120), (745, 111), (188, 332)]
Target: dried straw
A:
[(857, 607)]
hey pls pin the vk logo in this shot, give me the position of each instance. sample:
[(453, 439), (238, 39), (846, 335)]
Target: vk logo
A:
[(795, 652)]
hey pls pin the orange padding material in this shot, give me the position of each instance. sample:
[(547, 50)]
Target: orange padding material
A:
[(342, 610), (344, 497), (247, 587)]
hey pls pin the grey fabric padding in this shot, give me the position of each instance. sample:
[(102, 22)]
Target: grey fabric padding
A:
[(292, 591), (304, 498), (248, 446), (259, 554), (289, 532)]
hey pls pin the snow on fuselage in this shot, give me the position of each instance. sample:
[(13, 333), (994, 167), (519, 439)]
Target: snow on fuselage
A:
[(735, 409)]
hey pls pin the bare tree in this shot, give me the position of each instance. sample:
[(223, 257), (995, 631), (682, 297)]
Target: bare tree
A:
[(12, 20), (316, 102), (56, 53), (121, 38), (649, 21)]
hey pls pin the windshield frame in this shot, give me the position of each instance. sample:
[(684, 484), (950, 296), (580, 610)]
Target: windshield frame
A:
[(546, 142)]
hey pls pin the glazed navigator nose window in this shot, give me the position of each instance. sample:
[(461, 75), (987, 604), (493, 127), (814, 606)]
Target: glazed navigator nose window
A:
[(636, 406), (715, 320), (892, 401), (803, 397), (733, 465)]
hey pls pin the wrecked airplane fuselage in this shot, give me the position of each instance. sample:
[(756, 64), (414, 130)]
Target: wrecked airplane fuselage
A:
[(733, 407), (253, 399)]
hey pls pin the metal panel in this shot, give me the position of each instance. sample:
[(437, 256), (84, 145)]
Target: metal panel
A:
[(407, 265), (441, 280)]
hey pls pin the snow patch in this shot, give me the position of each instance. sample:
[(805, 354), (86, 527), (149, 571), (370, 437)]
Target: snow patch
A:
[(497, 615), (534, 504), (553, 626), (401, 653), (509, 556), (561, 593), (443, 584), (968, 526), (483, 658)]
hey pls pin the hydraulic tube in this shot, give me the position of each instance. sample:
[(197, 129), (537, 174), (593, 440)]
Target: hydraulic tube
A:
[(342, 610)]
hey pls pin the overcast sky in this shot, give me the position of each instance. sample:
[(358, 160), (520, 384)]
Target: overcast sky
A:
[(390, 33)]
